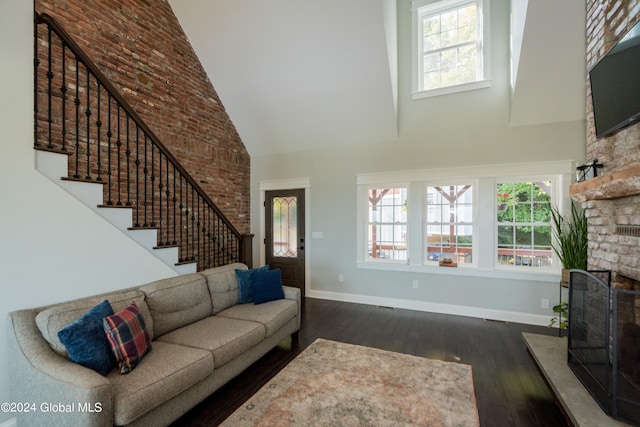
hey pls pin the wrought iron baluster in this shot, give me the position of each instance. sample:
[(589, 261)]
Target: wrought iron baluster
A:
[(200, 251), (64, 89), (109, 136), (137, 163), (88, 114), (160, 187), (194, 230), (167, 193), (128, 162), (181, 206), (118, 157), (77, 104), (186, 216), (99, 128), (36, 64), (153, 181), (146, 188), (49, 91), (175, 225)]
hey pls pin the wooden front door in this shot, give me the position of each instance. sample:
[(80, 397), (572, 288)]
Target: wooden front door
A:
[(284, 235)]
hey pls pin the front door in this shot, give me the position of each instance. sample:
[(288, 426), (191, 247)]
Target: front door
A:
[(284, 235)]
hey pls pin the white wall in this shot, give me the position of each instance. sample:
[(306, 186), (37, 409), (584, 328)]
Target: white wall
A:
[(52, 248), (463, 129)]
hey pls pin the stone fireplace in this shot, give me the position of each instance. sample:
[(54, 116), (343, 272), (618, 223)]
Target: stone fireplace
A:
[(612, 199)]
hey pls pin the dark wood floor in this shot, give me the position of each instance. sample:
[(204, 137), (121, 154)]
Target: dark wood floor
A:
[(509, 390)]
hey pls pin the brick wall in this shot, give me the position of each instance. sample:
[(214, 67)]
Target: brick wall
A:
[(140, 46), (607, 22)]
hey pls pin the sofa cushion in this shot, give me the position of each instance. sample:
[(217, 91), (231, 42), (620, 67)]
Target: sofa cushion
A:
[(167, 371), (267, 286), (223, 285), (86, 342), (177, 301), (54, 318), (245, 286), (273, 315), (128, 337), (225, 338)]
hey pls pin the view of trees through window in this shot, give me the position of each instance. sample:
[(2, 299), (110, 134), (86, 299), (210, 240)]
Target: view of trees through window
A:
[(450, 47), (524, 223)]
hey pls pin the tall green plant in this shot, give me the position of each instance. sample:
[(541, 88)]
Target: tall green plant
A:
[(570, 233)]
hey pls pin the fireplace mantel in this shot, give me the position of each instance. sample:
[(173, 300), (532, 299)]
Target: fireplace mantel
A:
[(623, 182)]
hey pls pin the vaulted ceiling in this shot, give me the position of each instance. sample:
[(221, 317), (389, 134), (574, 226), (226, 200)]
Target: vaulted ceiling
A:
[(295, 74)]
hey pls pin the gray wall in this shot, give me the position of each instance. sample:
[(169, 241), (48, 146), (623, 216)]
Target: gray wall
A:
[(459, 130)]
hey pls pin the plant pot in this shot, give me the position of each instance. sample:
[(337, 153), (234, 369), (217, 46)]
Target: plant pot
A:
[(565, 277)]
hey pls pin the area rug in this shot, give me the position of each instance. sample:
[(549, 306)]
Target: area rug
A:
[(337, 384)]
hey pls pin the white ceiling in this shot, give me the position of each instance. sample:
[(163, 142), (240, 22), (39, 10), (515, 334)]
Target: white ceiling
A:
[(298, 74)]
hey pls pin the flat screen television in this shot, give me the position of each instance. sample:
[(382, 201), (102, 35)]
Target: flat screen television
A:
[(615, 85)]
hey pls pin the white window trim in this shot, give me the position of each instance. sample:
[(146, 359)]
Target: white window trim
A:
[(556, 200), (416, 49), (474, 184), (363, 222), (561, 173)]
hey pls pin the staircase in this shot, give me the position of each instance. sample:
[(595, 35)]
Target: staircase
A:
[(90, 142)]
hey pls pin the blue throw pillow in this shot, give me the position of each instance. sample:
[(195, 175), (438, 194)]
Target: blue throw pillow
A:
[(244, 277), (267, 286), (86, 342)]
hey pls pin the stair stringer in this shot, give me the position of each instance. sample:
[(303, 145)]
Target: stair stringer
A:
[(54, 166)]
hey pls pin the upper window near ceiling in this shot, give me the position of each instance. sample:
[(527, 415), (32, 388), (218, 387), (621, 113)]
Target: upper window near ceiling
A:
[(449, 46)]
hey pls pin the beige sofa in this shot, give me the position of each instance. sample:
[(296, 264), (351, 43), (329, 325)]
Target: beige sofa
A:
[(201, 338)]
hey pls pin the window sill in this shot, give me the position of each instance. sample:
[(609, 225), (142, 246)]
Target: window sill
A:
[(481, 84), (467, 271)]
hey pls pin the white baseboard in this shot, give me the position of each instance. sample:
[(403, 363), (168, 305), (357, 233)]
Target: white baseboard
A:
[(431, 307)]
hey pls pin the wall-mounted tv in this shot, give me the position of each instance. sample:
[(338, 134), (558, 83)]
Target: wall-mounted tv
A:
[(615, 85)]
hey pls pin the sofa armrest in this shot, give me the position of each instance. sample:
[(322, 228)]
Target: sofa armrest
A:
[(294, 293), (58, 391)]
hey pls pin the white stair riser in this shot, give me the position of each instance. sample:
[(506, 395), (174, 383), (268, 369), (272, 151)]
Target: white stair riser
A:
[(54, 166)]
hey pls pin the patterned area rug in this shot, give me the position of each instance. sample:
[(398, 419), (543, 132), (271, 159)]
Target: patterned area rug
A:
[(337, 384)]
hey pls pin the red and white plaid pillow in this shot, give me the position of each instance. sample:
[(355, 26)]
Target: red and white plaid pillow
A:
[(128, 337)]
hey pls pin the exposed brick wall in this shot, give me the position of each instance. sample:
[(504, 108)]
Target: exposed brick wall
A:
[(140, 46), (607, 22)]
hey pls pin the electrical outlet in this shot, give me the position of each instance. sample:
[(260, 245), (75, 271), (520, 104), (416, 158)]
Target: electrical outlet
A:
[(340, 277), (415, 284), (544, 303)]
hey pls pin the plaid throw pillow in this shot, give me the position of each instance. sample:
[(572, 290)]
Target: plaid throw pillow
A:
[(128, 337)]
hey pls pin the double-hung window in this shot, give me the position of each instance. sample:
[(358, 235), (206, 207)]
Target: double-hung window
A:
[(488, 221), (387, 224), (523, 219), (449, 46), (449, 224)]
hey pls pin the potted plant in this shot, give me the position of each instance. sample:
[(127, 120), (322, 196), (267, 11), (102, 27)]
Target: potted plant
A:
[(570, 240), (570, 244)]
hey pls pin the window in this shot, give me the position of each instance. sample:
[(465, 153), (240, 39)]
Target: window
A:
[(449, 48), (387, 229), (450, 223), (494, 221), (523, 212)]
